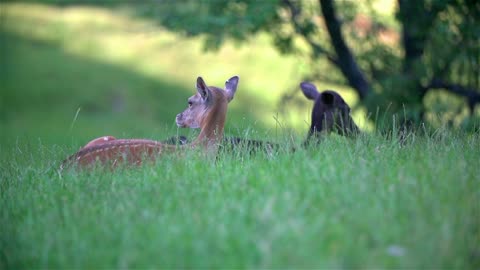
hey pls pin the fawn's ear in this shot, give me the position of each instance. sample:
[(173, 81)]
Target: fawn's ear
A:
[(309, 90), (327, 98), (231, 86), (202, 88)]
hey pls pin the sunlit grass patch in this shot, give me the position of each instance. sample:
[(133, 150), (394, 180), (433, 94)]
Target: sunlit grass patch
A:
[(139, 45), (112, 37)]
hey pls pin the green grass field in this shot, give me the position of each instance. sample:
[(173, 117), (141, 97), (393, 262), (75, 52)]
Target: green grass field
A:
[(72, 74), (366, 203)]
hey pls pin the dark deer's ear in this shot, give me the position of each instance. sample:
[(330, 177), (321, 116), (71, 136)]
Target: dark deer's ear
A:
[(309, 90), (327, 98), (202, 88), (231, 86)]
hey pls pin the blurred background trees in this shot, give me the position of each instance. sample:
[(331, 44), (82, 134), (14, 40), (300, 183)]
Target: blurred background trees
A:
[(418, 60), (395, 65)]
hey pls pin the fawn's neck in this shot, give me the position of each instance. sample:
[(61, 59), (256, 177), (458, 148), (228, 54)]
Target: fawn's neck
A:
[(212, 125)]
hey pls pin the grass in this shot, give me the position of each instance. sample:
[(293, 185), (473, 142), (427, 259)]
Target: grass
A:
[(113, 48), (344, 204), (364, 203)]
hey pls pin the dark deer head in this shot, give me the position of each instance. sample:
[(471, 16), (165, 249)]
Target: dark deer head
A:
[(330, 113)]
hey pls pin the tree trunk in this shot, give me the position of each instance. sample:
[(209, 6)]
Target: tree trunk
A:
[(346, 62)]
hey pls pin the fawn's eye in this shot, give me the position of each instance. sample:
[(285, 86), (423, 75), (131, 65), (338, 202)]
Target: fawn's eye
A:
[(190, 104)]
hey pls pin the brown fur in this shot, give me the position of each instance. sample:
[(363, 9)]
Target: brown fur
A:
[(207, 110), (330, 113)]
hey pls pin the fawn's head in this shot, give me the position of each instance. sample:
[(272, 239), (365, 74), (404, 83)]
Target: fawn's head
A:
[(328, 99), (207, 101), (330, 110)]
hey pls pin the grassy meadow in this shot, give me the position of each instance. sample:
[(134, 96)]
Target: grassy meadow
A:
[(70, 74)]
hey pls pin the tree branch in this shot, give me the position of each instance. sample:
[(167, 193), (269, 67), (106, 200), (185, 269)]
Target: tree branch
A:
[(346, 61), (317, 48), (472, 95)]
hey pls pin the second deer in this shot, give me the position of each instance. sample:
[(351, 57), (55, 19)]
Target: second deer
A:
[(207, 110), (330, 113)]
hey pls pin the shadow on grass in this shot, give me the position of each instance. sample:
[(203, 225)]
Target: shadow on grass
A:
[(57, 97)]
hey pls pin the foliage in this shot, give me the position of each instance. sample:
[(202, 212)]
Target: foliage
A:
[(431, 39), (217, 19)]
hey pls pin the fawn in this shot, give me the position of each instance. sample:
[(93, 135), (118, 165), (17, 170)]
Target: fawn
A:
[(330, 113), (207, 110)]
